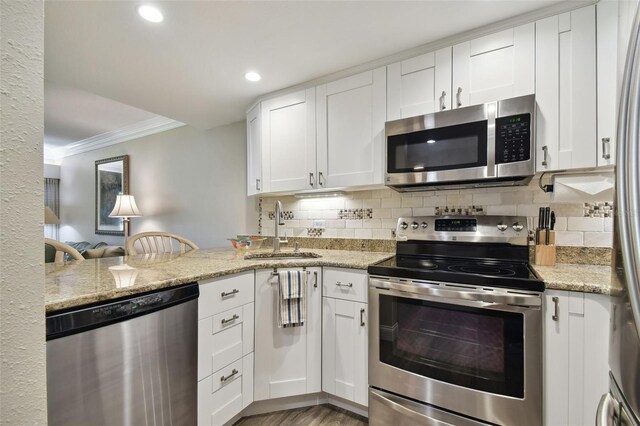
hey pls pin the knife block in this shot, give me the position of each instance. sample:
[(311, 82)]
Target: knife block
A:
[(545, 254)]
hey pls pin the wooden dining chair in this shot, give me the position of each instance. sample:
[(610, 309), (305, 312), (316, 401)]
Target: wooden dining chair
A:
[(62, 249), (158, 242)]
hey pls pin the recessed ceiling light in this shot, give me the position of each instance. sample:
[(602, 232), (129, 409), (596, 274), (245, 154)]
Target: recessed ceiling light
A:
[(252, 76), (150, 13)]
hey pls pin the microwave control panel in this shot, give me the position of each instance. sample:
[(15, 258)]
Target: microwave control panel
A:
[(513, 138)]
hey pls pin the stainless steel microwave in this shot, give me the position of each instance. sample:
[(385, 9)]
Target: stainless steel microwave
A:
[(491, 144)]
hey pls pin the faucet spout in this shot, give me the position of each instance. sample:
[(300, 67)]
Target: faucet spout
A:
[(279, 221)]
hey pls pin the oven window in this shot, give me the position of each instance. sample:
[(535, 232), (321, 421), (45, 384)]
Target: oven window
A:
[(476, 348), (444, 148)]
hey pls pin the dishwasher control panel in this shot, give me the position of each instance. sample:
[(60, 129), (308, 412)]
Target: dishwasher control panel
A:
[(60, 324)]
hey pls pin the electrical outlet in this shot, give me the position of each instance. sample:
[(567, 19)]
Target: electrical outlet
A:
[(319, 224)]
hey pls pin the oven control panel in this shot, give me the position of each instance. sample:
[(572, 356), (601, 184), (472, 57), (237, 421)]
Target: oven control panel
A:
[(456, 225), (493, 229)]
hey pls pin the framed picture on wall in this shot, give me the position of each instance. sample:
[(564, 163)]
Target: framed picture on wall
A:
[(112, 179)]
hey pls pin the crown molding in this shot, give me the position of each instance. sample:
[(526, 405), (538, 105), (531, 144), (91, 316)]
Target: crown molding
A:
[(124, 134)]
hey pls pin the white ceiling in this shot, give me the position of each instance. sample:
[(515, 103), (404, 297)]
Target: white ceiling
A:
[(191, 67)]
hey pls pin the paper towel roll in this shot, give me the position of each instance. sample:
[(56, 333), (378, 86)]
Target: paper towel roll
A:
[(582, 188)]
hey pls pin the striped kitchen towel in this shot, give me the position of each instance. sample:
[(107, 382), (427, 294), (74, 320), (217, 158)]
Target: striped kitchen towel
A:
[(292, 303)]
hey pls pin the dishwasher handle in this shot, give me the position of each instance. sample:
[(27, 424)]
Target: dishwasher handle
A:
[(64, 323)]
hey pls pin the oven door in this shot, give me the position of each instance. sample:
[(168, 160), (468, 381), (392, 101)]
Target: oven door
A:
[(470, 350)]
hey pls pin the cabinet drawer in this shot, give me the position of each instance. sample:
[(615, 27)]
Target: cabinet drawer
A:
[(348, 284), (217, 408), (219, 401), (221, 294), (220, 344), (217, 350)]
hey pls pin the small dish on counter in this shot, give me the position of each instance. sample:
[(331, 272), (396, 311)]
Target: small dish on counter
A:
[(246, 243)]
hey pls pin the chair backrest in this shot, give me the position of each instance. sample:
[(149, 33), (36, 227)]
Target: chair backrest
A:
[(62, 249), (158, 242)]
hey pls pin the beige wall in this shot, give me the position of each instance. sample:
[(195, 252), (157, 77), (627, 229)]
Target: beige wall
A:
[(22, 334), (187, 181)]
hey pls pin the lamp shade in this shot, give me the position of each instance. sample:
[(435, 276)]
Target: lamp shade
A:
[(125, 207), (50, 217)]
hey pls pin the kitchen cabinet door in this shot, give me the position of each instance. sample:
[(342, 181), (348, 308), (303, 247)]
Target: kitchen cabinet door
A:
[(289, 142), (493, 67), (287, 360), (566, 91), (344, 349), (351, 113), (254, 152), (420, 85), (556, 358), (576, 355)]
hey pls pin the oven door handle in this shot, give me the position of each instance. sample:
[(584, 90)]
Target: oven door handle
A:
[(424, 291)]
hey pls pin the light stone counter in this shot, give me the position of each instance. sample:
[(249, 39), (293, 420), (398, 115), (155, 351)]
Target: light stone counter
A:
[(79, 283), (573, 277)]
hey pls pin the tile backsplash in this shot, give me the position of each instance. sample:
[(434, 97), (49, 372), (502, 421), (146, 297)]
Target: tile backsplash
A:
[(373, 214)]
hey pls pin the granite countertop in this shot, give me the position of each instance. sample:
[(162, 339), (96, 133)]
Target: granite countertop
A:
[(79, 283), (574, 277)]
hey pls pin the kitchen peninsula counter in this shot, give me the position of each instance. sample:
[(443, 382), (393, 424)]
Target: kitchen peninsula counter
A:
[(79, 283)]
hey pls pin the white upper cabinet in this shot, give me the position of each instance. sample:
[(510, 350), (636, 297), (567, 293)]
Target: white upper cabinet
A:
[(493, 67), (350, 129), (566, 90), (420, 85), (254, 152), (289, 142)]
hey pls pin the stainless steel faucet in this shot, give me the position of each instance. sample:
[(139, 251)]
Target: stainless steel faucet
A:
[(279, 220)]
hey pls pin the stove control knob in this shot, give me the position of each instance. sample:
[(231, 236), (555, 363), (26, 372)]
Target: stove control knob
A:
[(502, 227), (424, 225), (404, 225), (414, 225), (517, 226)]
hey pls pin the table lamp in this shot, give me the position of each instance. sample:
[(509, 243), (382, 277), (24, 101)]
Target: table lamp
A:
[(125, 208)]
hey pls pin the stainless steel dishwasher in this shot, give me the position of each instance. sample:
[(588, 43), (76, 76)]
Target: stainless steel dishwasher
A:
[(128, 362)]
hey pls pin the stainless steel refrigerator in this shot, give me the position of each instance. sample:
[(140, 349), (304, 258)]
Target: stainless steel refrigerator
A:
[(621, 406)]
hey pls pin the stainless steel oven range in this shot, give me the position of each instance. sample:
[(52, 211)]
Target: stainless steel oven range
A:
[(455, 325)]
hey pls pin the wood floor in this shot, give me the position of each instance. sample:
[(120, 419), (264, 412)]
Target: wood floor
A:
[(319, 415)]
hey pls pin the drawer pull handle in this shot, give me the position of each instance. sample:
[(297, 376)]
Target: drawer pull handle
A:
[(556, 313), (233, 373), (362, 317), (339, 284), (233, 318), (606, 147), (231, 293)]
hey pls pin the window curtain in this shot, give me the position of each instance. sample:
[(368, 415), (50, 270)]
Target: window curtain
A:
[(52, 200)]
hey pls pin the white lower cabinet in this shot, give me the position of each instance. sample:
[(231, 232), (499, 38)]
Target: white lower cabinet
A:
[(344, 334), (576, 353), (288, 360), (225, 347)]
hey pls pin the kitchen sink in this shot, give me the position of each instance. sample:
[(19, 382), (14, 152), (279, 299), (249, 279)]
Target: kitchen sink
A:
[(282, 255)]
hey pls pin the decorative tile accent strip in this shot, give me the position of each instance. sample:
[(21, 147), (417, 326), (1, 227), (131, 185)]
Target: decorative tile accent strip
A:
[(288, 215), (315, 232), (260, 216), (460, 211), (598, 209), (355, 214)]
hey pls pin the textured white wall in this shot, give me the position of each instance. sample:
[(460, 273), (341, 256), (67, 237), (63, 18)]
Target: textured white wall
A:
[(22, 336), (187, 181)]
